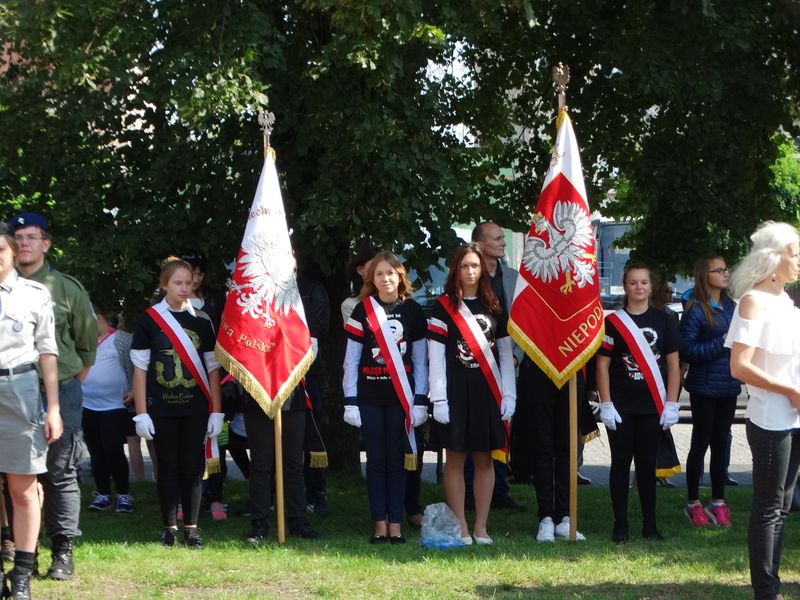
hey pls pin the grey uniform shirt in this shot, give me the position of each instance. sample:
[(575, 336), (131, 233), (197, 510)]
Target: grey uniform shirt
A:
[(27, 325)]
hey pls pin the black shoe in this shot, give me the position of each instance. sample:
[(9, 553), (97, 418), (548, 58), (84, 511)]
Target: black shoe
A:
[(319, 507), (168, 537), (730, 480), (397, 539), (620, 534), (508, 503), (256, 535), (378, 539), (62, 568), (191, 538), (583, 480), (306, 532), (20, 580)]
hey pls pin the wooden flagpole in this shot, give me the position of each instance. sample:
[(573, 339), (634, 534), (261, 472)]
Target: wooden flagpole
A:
[(560, 81), (267, 122)]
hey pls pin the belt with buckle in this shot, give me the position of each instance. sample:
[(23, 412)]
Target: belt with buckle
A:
[(16, 370)]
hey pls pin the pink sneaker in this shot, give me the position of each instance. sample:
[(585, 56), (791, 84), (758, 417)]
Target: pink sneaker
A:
[(218, 511), (696, 515), (719, 515)]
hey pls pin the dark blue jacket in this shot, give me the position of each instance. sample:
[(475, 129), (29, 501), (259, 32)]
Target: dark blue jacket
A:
[(702, 346)]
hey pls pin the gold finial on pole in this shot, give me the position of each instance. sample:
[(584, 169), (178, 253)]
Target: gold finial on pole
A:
[(266, 121), (560, 81)]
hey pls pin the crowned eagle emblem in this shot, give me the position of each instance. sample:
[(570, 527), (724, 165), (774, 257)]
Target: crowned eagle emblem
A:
[(269, 281), (564, 249)]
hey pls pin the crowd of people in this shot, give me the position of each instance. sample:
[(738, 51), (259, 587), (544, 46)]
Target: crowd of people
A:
[(71, 379)]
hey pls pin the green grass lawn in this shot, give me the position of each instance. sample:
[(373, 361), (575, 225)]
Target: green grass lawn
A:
[(119, 557)]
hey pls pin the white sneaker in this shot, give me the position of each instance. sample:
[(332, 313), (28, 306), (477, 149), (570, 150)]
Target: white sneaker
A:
[(546, 529), (562, 531)]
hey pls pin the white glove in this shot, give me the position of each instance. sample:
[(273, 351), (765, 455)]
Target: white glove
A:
[(144, 426), (441, 412), (507, 407), (609, 415), (215, 424), (352, 416), (670, 414), (419, 414)]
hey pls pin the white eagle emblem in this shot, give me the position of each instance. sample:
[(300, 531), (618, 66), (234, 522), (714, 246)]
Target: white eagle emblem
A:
[(269, 281), (569, 235)]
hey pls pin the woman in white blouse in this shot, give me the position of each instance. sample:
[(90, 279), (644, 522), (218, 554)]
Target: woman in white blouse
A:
[(764, 338)]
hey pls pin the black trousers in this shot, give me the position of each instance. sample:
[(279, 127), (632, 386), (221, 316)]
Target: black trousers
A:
[(776, 461), (105, 434), (181, 462), (636, 438), (261, 437), (547, 408), (711, 426)]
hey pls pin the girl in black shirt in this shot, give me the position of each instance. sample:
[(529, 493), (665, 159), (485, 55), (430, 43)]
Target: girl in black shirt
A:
[(628, 408), (170, 404)]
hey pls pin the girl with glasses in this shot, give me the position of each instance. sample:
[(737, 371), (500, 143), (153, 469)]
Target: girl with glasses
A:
[(712, 389)]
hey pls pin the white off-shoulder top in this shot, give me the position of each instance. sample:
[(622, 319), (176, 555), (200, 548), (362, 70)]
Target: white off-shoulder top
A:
[(776, 339)]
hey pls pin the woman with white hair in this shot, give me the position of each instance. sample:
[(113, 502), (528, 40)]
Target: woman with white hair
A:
[(764, 338)]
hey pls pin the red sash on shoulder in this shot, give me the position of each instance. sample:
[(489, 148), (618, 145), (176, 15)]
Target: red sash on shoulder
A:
[(191, 360), (479, 347), (376, 317), (642, 354)]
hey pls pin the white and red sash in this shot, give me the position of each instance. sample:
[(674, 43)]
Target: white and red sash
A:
[(478, 345), (189, 357), (642, 354), (378, 323)]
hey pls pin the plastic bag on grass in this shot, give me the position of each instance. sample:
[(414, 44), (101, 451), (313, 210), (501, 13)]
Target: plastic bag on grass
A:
[(440, 527)]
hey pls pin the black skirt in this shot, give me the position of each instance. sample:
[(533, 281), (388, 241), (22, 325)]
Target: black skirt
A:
[(475, 423)]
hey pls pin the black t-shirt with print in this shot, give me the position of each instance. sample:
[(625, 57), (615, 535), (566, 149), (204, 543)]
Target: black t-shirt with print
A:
[(629, 391), (457, 353), (407, 322), (171, 389)]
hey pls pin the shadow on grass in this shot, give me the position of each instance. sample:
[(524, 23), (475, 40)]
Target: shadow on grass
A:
[(692, 591), (348, 528)]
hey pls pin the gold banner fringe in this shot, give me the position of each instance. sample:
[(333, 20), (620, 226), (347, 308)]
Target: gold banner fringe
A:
[(212, 467), (668, 472), (318, 460), (410, 462), (500, 455), (538, 356), (270, 406), (590, 436)]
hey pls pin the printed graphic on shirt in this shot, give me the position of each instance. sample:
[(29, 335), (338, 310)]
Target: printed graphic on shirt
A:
[(465, 356), (630, 362), (396, 327)]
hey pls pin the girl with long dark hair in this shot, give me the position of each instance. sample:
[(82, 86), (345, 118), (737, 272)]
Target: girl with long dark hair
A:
[(712, 389), (472, 382)]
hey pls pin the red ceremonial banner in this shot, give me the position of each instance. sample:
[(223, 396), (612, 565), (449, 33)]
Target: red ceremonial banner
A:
[(263, 339), (557, 315)]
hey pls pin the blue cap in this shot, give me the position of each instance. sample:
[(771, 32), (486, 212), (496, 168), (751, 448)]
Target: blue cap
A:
[(28, 219)]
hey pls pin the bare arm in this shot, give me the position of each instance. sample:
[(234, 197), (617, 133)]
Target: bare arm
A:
[(673, 376), (53, 427), (139, 390), (603, 382), (216, 394)]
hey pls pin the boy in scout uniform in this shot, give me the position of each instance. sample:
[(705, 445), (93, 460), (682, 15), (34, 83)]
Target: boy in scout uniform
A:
[(76, 337)]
